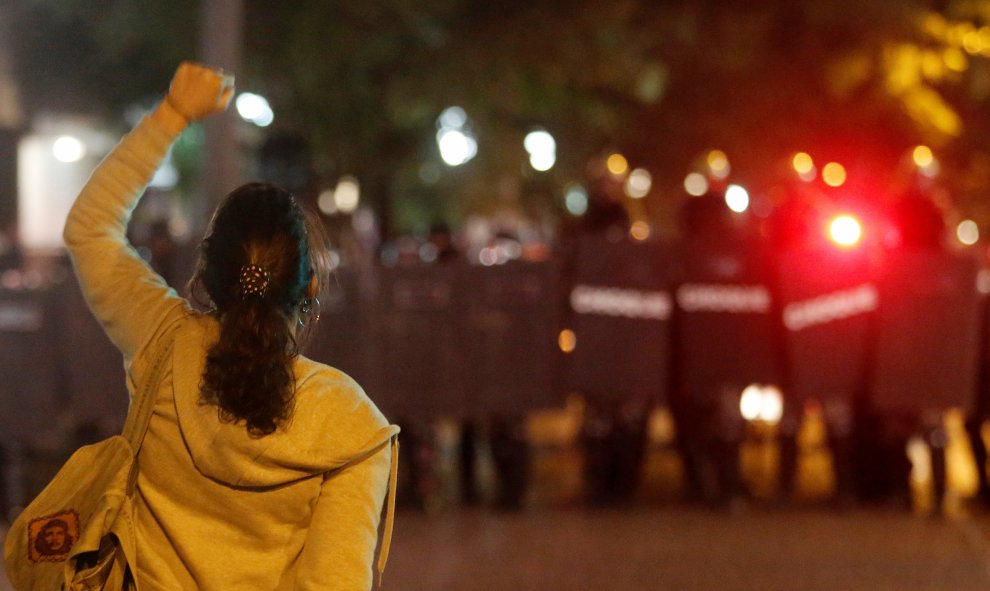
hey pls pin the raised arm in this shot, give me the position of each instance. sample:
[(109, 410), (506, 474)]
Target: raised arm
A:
[(131, 301)]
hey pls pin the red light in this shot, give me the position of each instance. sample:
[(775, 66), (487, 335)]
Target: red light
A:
[(845, 230)]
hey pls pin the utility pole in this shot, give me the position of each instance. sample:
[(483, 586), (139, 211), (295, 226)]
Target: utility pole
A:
[(11, 126), (221, 26)]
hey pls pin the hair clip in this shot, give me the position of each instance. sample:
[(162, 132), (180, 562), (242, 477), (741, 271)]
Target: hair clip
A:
[(254, 280)]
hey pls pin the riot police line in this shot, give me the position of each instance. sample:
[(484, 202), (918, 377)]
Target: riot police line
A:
[(882, 338), (883, 347)]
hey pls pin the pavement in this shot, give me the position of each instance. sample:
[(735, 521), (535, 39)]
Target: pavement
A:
[(681, 548)]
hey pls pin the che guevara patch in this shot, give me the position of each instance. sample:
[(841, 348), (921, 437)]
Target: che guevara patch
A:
[(51, 537)]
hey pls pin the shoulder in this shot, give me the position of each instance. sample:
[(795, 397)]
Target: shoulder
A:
[(184, 327), (193, 331), (325, 385), (332, 408)]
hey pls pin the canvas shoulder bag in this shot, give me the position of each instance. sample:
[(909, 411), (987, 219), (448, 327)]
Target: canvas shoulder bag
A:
[(78, 533)]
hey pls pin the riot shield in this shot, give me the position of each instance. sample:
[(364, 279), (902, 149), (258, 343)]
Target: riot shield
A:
[(981, 406), (29, 375), (826, 297), (726, 337), (94, 369), (419, 356), (510, 322), (927, 333), (620, 311), (342, 336)]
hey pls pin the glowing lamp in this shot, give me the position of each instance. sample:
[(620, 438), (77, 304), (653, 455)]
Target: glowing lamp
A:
[(751, 402), (254, 108), (968, 232), (718, 164), (617, 164), (567, 340), (695, 184), (68, 149), (834, 174), (922, 156), (845, 230), (761, 403), (576, 199), (640, 230), (802, 162), (737, 198)]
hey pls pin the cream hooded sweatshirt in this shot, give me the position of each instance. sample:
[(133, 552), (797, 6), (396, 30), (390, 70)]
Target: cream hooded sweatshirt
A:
[(215, 507)]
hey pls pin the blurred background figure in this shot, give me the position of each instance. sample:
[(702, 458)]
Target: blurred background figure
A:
[(11, 254), (927, 338), (978, 421), (823, 297), (5, 508), (618, 364), (725, 342)]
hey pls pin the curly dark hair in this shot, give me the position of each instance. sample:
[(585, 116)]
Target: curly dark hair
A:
[(248, 373)]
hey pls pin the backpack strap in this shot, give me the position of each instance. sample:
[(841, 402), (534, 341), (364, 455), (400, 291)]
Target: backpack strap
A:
[(139, 416), (389, 505)]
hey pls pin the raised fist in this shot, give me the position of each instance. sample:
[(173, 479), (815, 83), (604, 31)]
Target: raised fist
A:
[(197, 91)]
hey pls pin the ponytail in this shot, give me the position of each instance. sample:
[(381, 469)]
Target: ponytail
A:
[(248, 371), (256, 267)]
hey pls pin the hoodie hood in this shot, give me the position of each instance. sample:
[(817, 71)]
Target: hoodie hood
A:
[(333, 422)]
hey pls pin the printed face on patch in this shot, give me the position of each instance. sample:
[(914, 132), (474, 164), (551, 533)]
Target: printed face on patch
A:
[(51, 537)]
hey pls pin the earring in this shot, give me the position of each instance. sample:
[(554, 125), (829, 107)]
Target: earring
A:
[(306, 309)]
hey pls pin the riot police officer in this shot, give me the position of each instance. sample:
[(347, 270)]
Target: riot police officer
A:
[(723, 334), (922, 279), (604, 369), (981, 410), (823, 297)]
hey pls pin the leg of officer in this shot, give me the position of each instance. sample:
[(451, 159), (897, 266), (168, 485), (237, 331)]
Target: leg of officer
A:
[(417, 484), (467, 455), (688, 426), (839, 428), (974, 431), (728, 438), (511, 456), (787, 441), (596, 438), (937, 440), (629, 447)]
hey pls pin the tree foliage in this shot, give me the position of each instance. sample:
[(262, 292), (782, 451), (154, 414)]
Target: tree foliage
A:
[(98, 56), (662, 82)]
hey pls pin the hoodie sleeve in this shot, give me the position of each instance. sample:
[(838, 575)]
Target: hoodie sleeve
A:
[(340, 545), (128, 298)]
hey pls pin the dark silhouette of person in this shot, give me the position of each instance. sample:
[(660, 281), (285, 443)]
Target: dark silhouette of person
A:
[(709, 428), (794, 230), (981, 411), (613, 434), (917, 225)]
